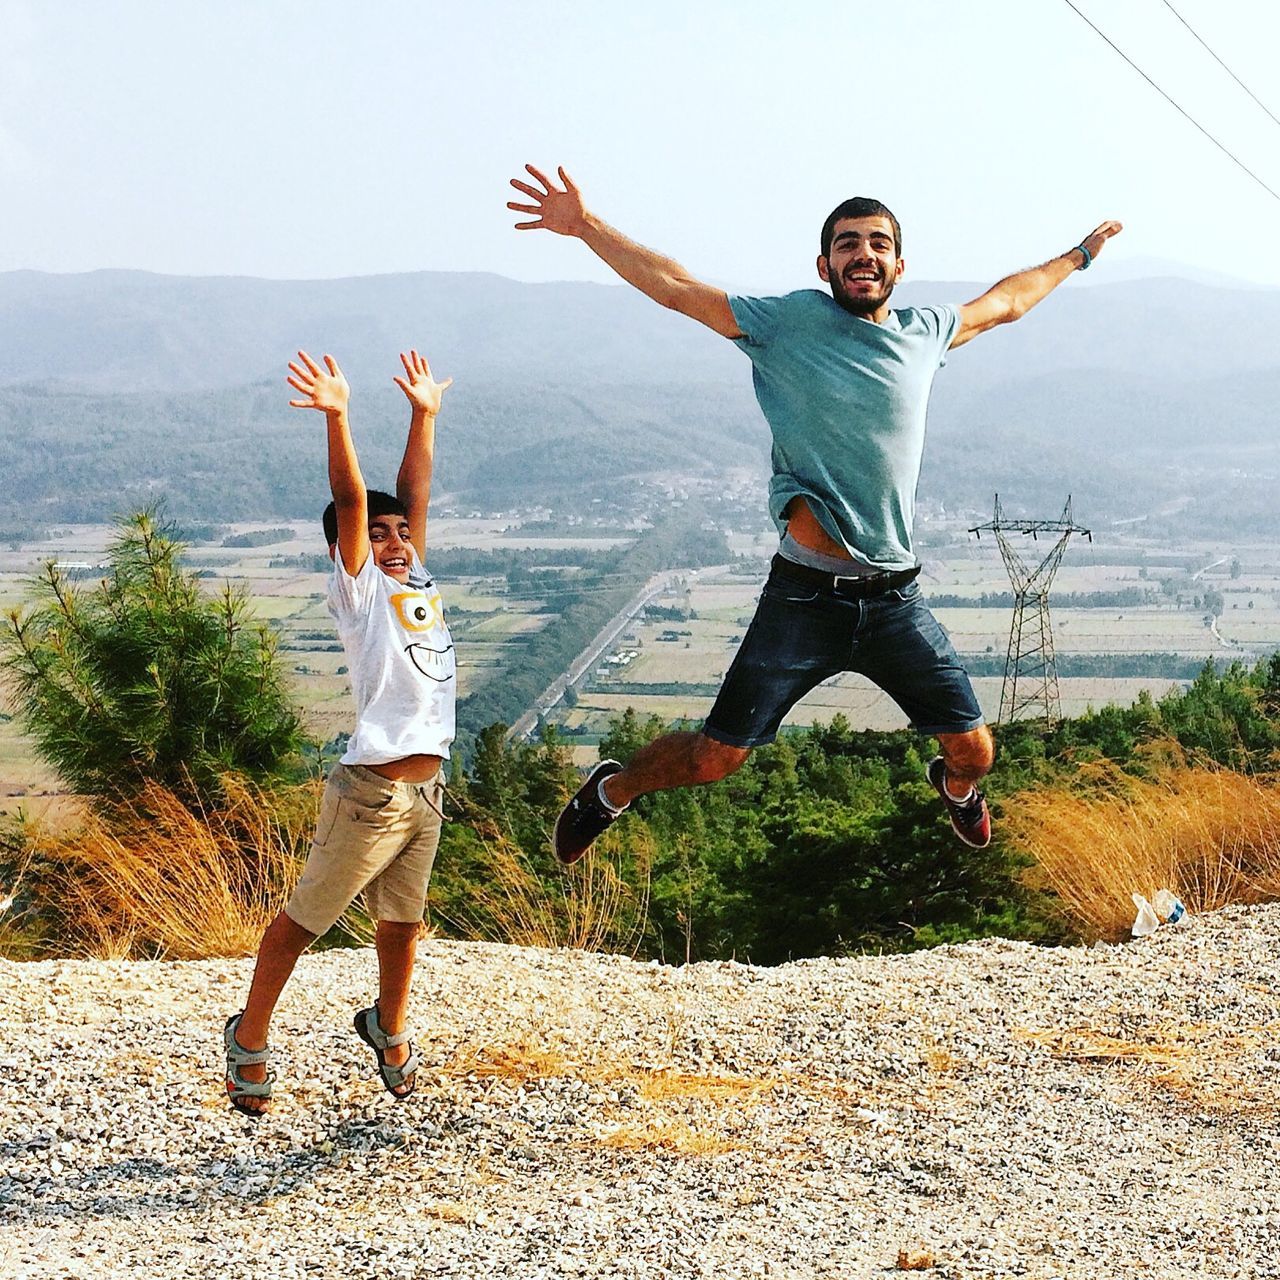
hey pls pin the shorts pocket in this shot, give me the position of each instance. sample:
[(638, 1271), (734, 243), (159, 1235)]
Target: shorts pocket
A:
[(366, 810), (326, 817), (364, 794)]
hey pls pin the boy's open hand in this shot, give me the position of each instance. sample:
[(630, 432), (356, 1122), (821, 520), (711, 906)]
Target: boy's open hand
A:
[(423, 391), (560, 211), (324, 389)]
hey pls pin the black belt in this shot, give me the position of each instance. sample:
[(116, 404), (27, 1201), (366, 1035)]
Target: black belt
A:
[(849, 586)]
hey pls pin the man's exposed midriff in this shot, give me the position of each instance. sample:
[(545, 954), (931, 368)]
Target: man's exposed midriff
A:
[(803, 526)]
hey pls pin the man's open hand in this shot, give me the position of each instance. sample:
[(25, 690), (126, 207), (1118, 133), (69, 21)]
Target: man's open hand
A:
[(423, 391), (1094, 241), (324, 389), (557, 210)]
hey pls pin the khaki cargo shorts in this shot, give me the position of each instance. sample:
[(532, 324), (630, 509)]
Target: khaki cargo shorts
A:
[(373, 835)]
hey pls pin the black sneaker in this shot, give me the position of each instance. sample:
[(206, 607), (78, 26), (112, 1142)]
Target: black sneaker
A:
[(970, 820), (584, 817)]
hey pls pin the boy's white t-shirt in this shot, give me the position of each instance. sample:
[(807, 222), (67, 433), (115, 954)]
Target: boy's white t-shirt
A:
[(400, 659)]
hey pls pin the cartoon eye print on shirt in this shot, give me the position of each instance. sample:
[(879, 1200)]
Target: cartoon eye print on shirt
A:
[(417, 611), (421, 614)]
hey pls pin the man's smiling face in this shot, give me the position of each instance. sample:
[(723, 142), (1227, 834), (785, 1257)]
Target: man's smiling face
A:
[(390, 546), (863, 265)]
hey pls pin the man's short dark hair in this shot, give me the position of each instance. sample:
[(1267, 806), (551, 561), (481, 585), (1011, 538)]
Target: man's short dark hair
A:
[(859, 207), (380, 504)]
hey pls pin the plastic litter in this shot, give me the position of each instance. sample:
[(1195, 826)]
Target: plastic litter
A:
[(1166, 909), (1147, 921)]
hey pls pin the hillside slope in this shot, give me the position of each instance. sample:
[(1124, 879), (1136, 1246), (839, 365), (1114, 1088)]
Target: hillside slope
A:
[(119, 387), (1004, 1110)]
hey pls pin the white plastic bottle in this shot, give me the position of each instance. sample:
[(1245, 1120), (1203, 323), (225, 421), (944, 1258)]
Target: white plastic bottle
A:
[(1169, 906)]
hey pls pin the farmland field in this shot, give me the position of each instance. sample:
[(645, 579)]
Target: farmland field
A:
[(483, 617), (670, 662), (677, 665)]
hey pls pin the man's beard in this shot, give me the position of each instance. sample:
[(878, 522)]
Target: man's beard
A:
[(860, 306)]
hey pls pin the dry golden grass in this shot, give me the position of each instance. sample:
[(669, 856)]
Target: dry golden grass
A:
[(1210, 835), (666, 1084), (444, 1211), (942, 1061), (678, 1112), (1204, 1065), (589, 906), (151, 876), (521, 1062), (674, 1136), (914, 1260), (20, 924)]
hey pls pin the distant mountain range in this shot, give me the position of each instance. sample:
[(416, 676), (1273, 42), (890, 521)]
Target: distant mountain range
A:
[(116, 386)]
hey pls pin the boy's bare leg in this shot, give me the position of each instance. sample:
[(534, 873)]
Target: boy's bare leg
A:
[(674, 760), (282, 944), (397, 945)]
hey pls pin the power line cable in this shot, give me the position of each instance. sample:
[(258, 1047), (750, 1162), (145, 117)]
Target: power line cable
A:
[(1219, 61), (1275, 195)]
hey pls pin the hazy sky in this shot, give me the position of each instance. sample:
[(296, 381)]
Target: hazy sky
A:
[(290, 139)]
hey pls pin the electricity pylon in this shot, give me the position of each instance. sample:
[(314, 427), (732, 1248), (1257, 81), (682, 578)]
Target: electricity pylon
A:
[(1030, 670)]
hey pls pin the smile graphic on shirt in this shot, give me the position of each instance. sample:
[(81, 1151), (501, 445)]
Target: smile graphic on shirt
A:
[(420, 613)]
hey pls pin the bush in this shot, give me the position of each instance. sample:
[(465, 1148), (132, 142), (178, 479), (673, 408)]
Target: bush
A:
[(144, 678), (1210, 835), (156, 876)]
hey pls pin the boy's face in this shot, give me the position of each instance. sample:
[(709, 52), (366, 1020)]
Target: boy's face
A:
[(390, 546)]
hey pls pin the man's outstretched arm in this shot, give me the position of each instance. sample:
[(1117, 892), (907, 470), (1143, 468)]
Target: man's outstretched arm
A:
[(662, 279), (1015, 295)]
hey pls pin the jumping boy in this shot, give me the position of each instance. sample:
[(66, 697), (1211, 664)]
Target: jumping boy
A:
[(380, 818)]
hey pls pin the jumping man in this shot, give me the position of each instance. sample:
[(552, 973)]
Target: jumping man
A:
[(843, 381)]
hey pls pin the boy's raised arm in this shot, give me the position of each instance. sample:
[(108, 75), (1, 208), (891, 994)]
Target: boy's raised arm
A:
[(326, 390), (413, 481)]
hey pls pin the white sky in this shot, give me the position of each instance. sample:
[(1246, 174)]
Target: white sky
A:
[(313, 138)]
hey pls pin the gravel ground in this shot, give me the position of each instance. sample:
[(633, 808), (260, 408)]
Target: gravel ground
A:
[(987, 1110)]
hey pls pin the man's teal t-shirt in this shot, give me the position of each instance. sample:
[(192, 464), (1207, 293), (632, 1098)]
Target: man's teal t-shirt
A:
[(846, 400)]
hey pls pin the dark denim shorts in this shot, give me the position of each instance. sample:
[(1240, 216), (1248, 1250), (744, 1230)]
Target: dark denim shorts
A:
[(802, 635)]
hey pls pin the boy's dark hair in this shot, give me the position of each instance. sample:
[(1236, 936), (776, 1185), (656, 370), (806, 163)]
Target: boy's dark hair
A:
[(859, 207), (380, 504)]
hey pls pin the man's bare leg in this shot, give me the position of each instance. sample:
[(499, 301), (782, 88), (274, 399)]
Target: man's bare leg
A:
[(673, 760), (282, 944), (968, 758), (397, 945), (965, 760)]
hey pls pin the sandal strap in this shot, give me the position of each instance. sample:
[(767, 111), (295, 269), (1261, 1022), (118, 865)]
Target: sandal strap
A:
[(380, 1037), (236, 1052), (246, 1057), (394, 1077), (241, 1088)]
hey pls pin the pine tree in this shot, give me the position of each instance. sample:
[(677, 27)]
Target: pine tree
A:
[(145, 678)]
